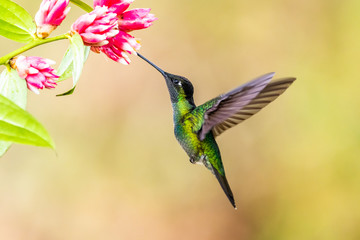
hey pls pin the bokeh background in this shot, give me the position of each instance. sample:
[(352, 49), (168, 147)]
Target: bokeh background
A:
[(118, 172)]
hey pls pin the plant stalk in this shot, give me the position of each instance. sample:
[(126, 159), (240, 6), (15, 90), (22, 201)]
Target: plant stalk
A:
[(82, 5), (36, 42)]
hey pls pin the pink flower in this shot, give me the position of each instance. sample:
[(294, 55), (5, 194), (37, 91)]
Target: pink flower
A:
[(96, 27), (118, 46), (130, 20), (116, 6), (50, 15), (36, 71), (136, 19)]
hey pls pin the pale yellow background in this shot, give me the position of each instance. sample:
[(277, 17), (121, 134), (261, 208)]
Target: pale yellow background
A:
[(118, 172)]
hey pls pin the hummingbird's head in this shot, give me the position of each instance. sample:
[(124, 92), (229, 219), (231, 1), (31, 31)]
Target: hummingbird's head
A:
[(179, 87)]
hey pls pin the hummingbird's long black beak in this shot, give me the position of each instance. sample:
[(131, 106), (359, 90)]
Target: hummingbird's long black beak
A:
[(156, 67)]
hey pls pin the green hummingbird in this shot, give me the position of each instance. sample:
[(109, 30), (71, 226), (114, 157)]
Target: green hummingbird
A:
[(196, 127)]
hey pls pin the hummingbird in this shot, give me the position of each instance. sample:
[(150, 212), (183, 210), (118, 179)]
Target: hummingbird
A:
[(196, 127)]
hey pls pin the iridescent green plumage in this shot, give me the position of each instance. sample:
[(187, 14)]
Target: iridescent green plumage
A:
[(186, 119), (195, 128)]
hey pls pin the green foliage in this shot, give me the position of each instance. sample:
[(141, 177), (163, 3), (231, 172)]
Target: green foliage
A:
[(73, 62), (78, 49), (17, 125), (14, 88), (15, 22), (65, 69)]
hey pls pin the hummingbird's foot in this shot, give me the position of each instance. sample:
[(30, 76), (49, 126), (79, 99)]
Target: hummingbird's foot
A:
[(192, 160)]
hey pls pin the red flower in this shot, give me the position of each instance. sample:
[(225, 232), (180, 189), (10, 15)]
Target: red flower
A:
[(50, 15), (96, 27), (36, 71), (128, 21), (136, 19), (118, 46)]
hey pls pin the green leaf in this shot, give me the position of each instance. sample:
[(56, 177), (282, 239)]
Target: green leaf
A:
[(78, 49), (67, 93), (17, 125), (66, 66), (14, 88), (73, 62), (65, 69), (15, 22)]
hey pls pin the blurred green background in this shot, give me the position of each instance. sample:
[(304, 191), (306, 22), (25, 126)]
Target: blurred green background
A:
[(118, 172)]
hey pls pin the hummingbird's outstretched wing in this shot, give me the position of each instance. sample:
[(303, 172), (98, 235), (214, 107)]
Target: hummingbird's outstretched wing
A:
[(231, 108)]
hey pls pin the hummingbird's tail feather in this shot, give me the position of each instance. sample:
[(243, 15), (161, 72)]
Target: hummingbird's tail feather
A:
[(225, 186)]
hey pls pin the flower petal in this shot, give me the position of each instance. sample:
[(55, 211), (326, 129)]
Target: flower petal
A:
[(36, 71), (136, 19), (96, 27), (50, 15)]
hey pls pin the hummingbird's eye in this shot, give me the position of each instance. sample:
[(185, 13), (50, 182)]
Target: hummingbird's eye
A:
[(177, 82)]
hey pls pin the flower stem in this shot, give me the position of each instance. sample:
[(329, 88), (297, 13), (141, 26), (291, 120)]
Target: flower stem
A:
[(82, 5), (36, 42)]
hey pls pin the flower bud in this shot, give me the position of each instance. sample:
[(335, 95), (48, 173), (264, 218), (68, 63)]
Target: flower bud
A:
[(36, 71), (50, 15)]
